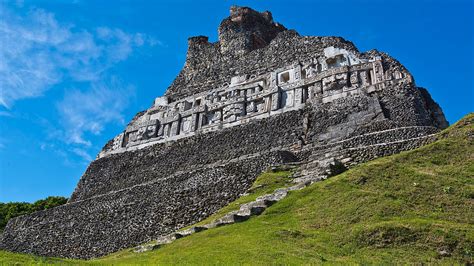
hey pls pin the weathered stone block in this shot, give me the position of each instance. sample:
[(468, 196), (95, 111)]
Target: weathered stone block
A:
[(222, 122)]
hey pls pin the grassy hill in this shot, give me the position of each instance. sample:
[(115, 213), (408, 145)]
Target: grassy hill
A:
[(413, 207)]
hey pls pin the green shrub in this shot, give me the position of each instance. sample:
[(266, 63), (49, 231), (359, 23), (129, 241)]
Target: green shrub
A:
[(13, 209)]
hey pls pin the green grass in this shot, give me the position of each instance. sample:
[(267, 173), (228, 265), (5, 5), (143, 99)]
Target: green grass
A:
[(266, 183), (402, 209), (9, 258)]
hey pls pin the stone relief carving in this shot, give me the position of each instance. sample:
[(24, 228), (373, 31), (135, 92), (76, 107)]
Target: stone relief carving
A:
[(117, 141), (321, 79), (251, 107)]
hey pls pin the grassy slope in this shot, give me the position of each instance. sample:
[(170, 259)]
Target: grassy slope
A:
[(266, 183), (403, 208)]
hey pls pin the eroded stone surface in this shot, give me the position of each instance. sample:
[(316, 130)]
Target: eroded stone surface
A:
[(244, 213), (260, 96)]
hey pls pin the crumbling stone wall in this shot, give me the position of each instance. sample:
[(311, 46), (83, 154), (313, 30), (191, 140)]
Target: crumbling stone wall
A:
[(123, 170), (210, 69), (359, 107), (108, 222)]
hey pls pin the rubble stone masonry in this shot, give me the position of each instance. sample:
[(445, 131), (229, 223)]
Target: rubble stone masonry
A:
[(261, 95)]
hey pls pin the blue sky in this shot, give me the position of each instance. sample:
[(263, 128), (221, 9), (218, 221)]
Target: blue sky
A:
[(73, 73)]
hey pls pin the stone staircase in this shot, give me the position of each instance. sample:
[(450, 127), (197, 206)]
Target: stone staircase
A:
[(333, 158), (245, 212), (324, 161)]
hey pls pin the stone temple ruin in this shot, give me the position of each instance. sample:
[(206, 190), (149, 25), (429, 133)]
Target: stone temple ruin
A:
[(261, 95), (336, 74)]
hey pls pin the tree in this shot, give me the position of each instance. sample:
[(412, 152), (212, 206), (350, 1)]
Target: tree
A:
[(13, 209)]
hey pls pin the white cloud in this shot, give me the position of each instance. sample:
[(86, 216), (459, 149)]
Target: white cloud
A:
[(83, 154), (2, 143), (38, 52), (84, 112), (5, 114), (60, 152)]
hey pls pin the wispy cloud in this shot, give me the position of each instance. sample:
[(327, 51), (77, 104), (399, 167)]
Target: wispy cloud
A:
[(89, 111), (38, 52), (83, 154), (60, 152), (2, 143), (6, 114)]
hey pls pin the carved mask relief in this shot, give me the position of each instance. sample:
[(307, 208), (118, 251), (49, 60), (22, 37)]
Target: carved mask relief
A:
[(283, 88)]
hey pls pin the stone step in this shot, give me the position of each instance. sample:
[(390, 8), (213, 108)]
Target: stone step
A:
[(244, 213), (299, 186), (226, 219), (238, 217), (183, 233), (163, 240), (190, 231), (144, 248), (198, 229), (211, 225), (253, 208), (276, 196), (166, 239), (315, 169)]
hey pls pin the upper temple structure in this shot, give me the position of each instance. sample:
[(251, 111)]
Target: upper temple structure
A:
[(260, 96)]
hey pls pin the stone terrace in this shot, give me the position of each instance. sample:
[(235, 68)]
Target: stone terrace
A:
[(260, 96)]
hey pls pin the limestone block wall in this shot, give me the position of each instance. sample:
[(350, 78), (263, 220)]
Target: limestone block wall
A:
[(130, 198), (109, 222), (211, 68), (333, 76), (261, 95), (122, 170)]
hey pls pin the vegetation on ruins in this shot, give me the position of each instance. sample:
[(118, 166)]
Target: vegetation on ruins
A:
[(260, 96), (412, 207)]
